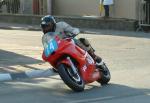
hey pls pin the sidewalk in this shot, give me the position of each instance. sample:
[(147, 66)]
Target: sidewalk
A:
[(13, 26)]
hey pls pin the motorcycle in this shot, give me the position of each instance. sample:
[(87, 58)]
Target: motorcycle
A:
[(74, 65)]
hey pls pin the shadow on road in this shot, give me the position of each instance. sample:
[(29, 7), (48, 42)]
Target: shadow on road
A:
[(9, 59), (56, 92)]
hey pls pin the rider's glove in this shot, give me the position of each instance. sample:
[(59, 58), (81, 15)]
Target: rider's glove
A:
[(76, 31)]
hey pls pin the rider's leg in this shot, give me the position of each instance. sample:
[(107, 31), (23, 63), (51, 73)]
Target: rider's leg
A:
[(84, 44), (99, 62)]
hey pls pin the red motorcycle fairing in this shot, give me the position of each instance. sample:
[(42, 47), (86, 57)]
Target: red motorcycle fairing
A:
[(86, 68), (65, 47)]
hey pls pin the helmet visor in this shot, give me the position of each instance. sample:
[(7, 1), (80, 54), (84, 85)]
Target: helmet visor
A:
[(43, 26)]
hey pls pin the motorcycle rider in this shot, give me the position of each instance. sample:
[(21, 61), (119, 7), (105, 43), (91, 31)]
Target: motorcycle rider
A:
[(48, 24)]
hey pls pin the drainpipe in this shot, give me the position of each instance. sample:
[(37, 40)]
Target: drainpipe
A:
[(49, 7), (22, 6)]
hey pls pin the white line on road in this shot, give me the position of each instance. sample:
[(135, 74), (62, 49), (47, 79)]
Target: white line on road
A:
[(5, 77), (91, 100), (39, 73)]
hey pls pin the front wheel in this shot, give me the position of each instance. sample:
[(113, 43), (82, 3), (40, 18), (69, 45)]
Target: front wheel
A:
[(74, 81)]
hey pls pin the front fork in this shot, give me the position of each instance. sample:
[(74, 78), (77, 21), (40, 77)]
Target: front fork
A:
[(72, 66)]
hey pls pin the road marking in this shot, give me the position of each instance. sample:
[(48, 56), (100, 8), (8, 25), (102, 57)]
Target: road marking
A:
[(26, 74), (148, 94), (5, 77), (39, 73), (109, 98), (92, 100)]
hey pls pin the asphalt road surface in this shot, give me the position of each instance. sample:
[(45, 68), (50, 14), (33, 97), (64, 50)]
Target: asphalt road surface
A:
[(127, 54)]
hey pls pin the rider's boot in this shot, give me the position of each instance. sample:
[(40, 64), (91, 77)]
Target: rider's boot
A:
[(95, 57), (101, 65), (99, 62)]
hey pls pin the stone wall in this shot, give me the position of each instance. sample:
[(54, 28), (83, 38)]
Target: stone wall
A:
[(81, 22)]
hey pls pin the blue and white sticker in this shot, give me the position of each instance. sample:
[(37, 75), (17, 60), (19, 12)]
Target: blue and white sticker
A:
[(51, 47)]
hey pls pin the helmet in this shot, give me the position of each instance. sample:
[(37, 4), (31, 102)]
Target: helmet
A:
[(48, 24)]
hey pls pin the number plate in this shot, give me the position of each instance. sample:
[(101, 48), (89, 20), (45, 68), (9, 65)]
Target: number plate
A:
[(51, 47)]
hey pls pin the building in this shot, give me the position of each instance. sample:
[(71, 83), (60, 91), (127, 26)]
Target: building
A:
[(121, 8)]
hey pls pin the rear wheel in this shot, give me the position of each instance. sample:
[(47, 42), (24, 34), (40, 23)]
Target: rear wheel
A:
[(74, 81), (106, 76)]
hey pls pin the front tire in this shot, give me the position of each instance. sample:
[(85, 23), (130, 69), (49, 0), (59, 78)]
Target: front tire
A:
[(74, 82)]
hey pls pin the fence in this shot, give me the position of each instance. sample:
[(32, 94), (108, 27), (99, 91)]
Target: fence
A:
[(144, 15), (35, 7)]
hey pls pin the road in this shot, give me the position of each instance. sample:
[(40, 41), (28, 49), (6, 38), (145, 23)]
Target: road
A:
[(126, 54)]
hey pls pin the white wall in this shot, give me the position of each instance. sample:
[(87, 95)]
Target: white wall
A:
[(120, 9), (125, 9), (76, 7)]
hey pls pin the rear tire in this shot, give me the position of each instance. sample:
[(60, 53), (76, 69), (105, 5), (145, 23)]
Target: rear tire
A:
[(69, 80), (105, 75)]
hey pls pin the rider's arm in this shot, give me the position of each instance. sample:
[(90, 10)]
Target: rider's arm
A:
[(68, 28)]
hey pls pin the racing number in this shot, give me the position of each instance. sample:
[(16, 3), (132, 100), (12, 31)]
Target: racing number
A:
[(51, 46)]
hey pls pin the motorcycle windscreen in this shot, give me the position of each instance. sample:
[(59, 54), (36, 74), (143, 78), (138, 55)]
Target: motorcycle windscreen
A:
[(51, 47)]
